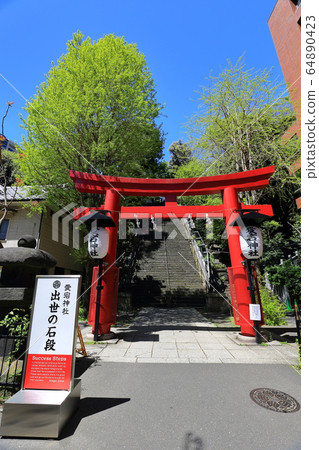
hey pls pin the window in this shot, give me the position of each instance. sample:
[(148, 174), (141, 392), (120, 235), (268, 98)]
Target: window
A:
[(4, 229)]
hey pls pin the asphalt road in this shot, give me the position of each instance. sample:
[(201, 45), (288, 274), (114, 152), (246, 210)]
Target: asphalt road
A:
[(156, 406)]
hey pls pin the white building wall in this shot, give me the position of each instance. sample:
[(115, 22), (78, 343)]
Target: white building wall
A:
[(19, 225)]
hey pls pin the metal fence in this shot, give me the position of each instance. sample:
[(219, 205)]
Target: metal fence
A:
[(12, 352), (200, 252)]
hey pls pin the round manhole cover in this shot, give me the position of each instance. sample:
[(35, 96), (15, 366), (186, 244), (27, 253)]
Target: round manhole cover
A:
[(274, 400)]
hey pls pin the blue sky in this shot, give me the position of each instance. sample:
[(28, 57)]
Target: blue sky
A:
[(183, 42)]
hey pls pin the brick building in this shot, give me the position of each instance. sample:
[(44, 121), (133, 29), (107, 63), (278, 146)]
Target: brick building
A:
[(284, 24), (285, 27)]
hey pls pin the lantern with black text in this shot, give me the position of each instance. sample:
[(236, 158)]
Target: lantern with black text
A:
[(98, 243), (251, 242)]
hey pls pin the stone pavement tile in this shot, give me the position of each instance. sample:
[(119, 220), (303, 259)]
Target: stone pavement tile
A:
[(195, 360), (184, 332), (244, 361), (243, 353), (137, 352), (223, 334), (115, 359), (211, 346), (185, 336), (274, 357), (273, 361), (218, 354), (119, 344), (271, 353), (291, 352), (203, 339), (166, 338), (119, 352), (228, 343), (164, 346), (142, 344), (204, 334), (163, 360), (188, 345), (187, 353), (164, 353)]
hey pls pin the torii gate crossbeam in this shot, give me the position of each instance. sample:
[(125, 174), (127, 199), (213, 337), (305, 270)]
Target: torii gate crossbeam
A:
[(227, 185)]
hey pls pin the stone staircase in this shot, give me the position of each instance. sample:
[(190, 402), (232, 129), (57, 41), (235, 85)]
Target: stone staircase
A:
[(166, 272)]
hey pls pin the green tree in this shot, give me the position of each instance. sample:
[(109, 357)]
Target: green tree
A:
[(195, 168), (243, 114), (180, 155), (280, 245), (96, 112)]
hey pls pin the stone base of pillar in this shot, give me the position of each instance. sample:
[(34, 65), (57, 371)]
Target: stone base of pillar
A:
[(246, 339)]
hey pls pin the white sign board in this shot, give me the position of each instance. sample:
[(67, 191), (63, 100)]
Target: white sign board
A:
[(254, 312), (50, 357)]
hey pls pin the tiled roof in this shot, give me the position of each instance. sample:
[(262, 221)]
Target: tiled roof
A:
[(17, 193)]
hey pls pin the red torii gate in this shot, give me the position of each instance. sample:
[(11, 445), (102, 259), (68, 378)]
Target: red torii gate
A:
[(227, 185)]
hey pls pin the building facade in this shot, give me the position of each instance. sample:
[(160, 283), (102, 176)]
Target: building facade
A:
[(285, 28), (19, 222)]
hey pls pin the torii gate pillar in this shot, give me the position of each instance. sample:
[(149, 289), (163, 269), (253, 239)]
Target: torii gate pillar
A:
[(108, 300), (237, 273)]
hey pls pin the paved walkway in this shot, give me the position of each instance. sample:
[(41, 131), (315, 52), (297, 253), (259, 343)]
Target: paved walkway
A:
[(183, 335)]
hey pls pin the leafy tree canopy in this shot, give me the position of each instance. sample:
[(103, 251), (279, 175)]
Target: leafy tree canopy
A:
[(180, 155), (8, 169), (243, 115), (96, 112)]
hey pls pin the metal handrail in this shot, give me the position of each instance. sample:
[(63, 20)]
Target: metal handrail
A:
[(200, 252), (130, 264), (166, 264)]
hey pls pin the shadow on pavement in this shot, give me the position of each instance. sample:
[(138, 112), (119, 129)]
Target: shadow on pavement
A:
[(82, 364), (88, 407), (144, 333)]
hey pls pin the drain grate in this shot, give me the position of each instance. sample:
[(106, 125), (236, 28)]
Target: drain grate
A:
[(274, 400)]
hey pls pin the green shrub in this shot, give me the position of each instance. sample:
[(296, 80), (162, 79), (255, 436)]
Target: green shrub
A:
[(274, 310), (83, 315), (17, 322)]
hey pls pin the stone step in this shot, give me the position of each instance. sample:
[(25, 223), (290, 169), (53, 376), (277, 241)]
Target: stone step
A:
[(162, 269)]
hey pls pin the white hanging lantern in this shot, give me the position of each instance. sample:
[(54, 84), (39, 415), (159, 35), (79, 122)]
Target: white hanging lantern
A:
[(251, 242), (98, 243)]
